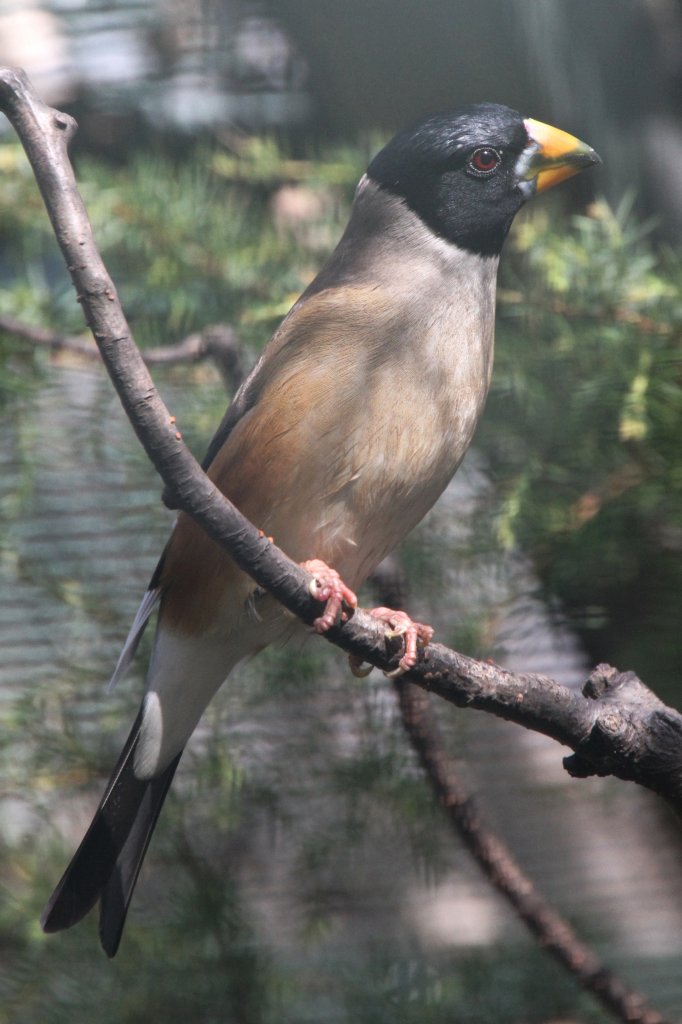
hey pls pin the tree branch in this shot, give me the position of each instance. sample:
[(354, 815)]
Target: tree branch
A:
[(218, 342), (616, 727)]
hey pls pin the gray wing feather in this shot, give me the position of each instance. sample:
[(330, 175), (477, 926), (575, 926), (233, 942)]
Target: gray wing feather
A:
[(149, 602)]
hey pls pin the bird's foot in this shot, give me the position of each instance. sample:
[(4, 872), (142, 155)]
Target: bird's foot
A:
[(399, 624), (328, 586)]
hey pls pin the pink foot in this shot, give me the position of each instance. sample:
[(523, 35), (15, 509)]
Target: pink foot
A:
[(328, 586), (400, 624)]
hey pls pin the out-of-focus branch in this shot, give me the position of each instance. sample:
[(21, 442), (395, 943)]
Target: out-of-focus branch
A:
[(42, 337), (218, 342)]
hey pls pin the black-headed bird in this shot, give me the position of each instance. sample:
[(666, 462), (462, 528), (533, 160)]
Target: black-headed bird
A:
[(350, 426)]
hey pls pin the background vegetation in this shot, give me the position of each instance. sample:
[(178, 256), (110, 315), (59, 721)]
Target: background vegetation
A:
[(278, 884), (581, 433)]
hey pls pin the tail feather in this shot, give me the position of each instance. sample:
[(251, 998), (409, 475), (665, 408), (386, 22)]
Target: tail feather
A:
[(118, 891), (108, 860)]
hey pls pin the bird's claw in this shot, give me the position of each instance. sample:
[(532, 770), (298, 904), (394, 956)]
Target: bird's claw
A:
[(414, 634), (360, 669), (328, 586)]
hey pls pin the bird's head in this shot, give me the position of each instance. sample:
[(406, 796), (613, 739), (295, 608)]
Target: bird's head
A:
[(467, 173)]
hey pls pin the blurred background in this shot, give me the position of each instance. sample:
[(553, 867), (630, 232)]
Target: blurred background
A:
[(301, 871)]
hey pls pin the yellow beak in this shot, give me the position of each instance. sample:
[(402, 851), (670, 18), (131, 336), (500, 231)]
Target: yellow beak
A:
[(551, 156)]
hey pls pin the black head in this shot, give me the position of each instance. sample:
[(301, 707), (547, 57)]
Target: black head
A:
[(463, 173)]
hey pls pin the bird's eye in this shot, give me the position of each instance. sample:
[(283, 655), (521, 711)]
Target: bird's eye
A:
[(483, 162)]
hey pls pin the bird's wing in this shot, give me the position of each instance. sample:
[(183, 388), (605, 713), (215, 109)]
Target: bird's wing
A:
[(317, 315), (142, 616), (289, 445), (249, 391), (333, 322)]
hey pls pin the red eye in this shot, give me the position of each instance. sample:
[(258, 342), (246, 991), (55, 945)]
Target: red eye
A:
[(484, 161)]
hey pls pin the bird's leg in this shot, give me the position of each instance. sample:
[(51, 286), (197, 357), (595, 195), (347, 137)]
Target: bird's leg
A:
[(400, 624), (328, 586)]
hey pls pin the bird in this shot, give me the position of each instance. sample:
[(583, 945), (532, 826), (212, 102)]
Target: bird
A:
[(351, 424)]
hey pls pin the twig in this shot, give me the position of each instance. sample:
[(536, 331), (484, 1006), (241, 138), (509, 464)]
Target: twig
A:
[(42, 337), (617, 727), (216, 341)]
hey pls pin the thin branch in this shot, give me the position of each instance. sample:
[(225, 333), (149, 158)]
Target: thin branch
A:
[(43, 337), (616, 727), (218, 342)]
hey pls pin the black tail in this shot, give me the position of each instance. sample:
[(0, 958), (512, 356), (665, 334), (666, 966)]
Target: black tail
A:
[(108, 861)]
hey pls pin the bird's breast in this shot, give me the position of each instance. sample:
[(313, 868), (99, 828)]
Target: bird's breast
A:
[(420, 407)]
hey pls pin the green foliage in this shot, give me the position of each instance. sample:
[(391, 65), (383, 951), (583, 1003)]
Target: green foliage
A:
[(188, 243), (583, 426), (299, 766)]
